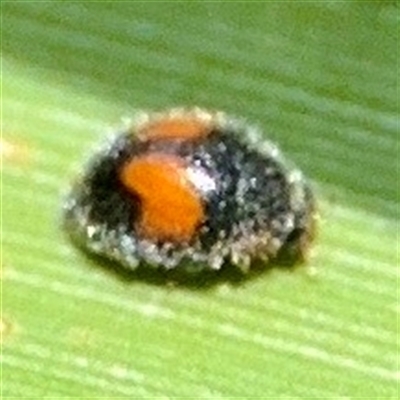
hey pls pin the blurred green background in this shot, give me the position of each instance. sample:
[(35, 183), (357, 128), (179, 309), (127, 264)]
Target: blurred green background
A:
[(321, 79)]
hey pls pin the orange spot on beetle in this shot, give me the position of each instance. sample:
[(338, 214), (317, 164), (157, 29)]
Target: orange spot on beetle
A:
[(15, 152), (175, 128), (6, 329), (171, 208)]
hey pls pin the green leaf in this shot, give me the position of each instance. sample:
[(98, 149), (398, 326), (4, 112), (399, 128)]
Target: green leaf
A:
[(321, 79)]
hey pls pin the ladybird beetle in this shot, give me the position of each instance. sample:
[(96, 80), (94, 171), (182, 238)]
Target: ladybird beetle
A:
[(190, 188)]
